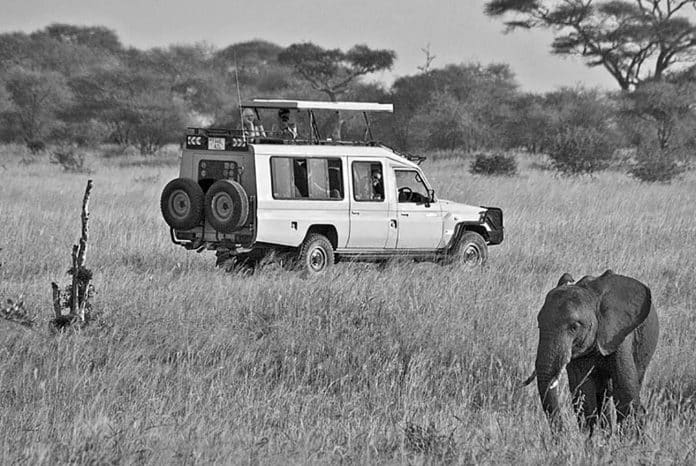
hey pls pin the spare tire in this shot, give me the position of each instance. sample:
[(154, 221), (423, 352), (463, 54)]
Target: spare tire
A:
[(182, 203), (226, 206)]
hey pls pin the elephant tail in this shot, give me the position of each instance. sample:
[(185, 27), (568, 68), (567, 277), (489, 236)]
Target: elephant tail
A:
[(530, 379)]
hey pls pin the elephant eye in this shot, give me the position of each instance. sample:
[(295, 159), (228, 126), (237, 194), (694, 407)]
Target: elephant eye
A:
[(574, 326)]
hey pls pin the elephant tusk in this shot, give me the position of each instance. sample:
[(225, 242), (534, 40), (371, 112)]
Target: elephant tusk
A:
[(557, 379), (530, 379)]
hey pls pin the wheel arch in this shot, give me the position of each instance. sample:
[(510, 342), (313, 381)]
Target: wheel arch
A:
[(327, 230), (463, 227)]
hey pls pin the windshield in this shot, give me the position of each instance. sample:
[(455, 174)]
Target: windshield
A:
[(411, 187)]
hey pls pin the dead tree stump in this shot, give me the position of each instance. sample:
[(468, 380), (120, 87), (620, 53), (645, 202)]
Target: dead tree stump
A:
[(72, 305)]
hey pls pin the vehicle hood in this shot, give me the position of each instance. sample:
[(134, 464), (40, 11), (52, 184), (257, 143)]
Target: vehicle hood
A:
[(467, 212)]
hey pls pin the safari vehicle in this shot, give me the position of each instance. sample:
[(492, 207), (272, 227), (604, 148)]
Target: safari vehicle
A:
[(316, 200)]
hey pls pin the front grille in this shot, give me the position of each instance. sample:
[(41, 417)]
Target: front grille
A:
[(494, 217)]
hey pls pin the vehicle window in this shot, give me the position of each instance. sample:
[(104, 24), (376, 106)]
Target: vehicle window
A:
[(306, 178), (368, 184), (410, 186)]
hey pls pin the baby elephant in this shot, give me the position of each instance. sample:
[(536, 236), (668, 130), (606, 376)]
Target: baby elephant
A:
[(603, 331)]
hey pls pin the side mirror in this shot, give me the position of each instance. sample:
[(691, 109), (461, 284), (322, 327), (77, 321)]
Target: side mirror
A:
[(430, 199)]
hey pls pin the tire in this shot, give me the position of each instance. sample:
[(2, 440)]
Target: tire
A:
[(316, 254), (226, 206), (471, 250), (182, 203)]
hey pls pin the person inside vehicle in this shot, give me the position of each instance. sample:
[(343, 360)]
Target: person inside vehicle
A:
[(250, 125), (377, 185), (286, 129)]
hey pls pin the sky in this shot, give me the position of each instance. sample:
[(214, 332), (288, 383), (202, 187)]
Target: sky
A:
[(455, 31)]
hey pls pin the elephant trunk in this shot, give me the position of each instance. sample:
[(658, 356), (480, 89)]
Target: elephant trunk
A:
[(552, 358)]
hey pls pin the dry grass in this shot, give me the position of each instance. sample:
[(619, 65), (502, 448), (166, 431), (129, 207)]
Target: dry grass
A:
[(191, 365)]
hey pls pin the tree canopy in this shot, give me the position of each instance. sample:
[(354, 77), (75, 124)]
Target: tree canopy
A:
[(634, 40), (331, 71)]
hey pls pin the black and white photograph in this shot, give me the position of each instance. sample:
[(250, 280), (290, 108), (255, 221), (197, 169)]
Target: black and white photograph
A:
[(363, 232)]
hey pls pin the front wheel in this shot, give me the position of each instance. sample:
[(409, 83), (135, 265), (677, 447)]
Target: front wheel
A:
[(316, 254), (471, 250)]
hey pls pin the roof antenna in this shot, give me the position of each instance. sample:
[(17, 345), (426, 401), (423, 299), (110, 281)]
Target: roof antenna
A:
[(239, 97)]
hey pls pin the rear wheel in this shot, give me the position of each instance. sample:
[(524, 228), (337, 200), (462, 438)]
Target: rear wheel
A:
[(316, 254), (182, 203), (471, 250)]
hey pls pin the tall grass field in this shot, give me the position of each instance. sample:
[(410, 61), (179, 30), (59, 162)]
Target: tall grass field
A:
[(413, 363)]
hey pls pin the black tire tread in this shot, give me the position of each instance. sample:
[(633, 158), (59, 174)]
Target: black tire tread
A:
[(196, 196), (470, 237), (240, 202), (302, 255)]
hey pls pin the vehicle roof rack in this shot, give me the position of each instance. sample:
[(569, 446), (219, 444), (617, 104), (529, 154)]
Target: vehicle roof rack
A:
[(417, 159), (311, 105), (318, 105)]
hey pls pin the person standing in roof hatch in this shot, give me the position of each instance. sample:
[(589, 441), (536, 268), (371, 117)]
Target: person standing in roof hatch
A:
[(249, 124), (286, 128)]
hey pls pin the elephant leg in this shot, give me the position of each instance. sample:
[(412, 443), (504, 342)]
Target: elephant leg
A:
[(626, 382), (584, 390), (644, 343), (604, 393)]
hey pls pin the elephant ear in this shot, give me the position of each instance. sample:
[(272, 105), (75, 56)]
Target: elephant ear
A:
[(565, 279), (624, 303)]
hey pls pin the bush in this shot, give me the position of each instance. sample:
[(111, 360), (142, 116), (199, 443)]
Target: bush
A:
[(580, 150), (36, 146), (493, 164), (70, 159), (654, 165)]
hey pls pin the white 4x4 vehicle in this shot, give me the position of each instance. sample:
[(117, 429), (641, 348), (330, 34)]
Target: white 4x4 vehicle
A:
[(318, 201)]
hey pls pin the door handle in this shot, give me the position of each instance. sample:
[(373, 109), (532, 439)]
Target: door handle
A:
[(404, 214), (355, 212)]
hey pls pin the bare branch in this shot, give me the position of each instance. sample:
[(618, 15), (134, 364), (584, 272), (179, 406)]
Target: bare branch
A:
[(85, 217), (56, 300), (73, 303)]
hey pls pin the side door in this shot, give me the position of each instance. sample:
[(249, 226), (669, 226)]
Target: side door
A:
[(420, 221), (372, 223)]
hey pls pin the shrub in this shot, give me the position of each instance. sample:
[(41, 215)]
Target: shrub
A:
[(654, 165), (15, 311), (36, 146), (580, 150), (70, 159), (493, 164)]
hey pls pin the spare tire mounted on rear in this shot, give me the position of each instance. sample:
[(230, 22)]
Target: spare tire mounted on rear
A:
[(182, 203), (226, 206)]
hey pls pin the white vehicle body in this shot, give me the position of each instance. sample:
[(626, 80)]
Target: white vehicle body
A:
[(367, 200)]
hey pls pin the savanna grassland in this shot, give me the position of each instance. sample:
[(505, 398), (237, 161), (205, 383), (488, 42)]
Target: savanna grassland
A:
[(188, 364)]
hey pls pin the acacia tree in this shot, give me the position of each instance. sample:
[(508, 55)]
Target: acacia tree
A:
[(658, 118), (332, 71), (663, 105), (481, 102), (634, 40), (137, 106), (35, 99)]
